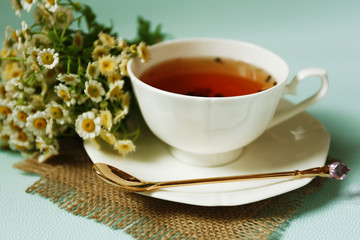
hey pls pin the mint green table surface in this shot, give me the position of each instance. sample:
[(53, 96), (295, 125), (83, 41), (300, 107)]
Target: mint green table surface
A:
[(307, 33)]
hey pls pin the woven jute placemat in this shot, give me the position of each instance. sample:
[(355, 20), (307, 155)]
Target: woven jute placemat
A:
[(69, 181)]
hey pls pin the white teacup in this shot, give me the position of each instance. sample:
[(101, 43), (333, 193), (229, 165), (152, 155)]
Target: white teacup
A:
[(209, 131)]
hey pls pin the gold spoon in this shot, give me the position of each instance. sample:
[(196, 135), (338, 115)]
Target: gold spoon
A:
[(115, 176)]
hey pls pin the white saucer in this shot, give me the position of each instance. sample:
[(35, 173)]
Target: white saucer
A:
[(299, 143)]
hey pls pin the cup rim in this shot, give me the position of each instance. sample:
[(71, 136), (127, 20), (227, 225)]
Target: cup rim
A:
[(133, 77)]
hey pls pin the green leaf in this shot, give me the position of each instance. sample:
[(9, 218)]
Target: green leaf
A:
[(145, 34)]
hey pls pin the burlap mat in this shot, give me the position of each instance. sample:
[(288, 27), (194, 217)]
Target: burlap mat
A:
[(69, 181)]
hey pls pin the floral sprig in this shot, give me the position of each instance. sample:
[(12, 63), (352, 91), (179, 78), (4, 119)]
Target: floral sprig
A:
[(57, 80)]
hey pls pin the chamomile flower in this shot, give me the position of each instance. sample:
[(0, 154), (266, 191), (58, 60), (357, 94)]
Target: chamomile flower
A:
[(12, 70), (88, 125), (94, 90), (107, 39), (69, 78), (106, 119), (48, 58), (9, 127), (115, 90), (6, 108), (48, 76), (49, 153), (107, 65), (57, 112), (122, 44), (143, 52), (32, 52), (39, 123), (26, 31), (124, 146), (17, 7), (123, 66), (47, 150), (78, 39), (20, 115), (64, 93), (4, 140), (27, 4), (99, 51), (43, 143), (107, 137), (5, 52), (37, 102), (92, 70), (21, 146), (22, 140), (120, 115), (63, 17), (125, 100), (51, 5), (32, 64), (114, 77), (125, 105), (2, 90)]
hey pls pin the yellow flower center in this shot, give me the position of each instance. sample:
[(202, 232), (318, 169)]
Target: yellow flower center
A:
[(22, 116), (48, 58), (88, 125), (56, 112), (93, 91), (114, 77), (106, 119), (68, 78), (61, 17), (35, 54), (64, 95), (14, 36), (78, 40), (124, 146), (4, 53), (143, 52), (40, 123), (16, 73), (35, 67), (29, 1), (14, 127), (2, 90), (5, 137), (21, 148), (92, 70), (22, 136), (5, 110), (100, 52), (50, 73), (106, 64), (51, 2)]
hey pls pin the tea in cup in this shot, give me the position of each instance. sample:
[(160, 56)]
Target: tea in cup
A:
[(208, 98)]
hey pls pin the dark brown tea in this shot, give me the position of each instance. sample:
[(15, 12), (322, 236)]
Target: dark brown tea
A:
[(208, 77)]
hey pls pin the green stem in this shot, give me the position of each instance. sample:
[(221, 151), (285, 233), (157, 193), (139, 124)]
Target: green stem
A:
[(68, 64), (12, 58), (31, 78), (135, 133), (63, 34), (79, 65)]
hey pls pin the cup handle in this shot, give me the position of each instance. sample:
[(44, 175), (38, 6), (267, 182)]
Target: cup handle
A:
[(291, 89)]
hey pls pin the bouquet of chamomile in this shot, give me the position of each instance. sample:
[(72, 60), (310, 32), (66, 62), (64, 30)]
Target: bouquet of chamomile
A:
[(60, 80)]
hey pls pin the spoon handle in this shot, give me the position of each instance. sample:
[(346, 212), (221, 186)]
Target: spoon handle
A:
[(113, 175), (312, 172)]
